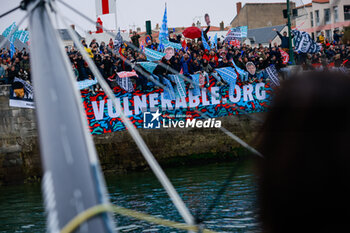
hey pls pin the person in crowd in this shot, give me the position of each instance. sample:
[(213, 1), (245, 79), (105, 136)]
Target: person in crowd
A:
[(337, 36), (3, 80), (284, 40), (321, 38), (303, 177), (191, 59), (135, 39)]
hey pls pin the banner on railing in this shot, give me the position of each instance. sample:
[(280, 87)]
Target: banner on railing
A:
[(142, 107)]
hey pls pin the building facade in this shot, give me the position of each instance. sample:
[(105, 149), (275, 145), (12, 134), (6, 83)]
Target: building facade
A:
[(326, 16), (260, 15)]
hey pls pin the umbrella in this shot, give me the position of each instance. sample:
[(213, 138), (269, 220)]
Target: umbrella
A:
[(192, 33)]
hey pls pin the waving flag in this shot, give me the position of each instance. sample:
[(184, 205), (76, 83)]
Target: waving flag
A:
[(105, 7), (125, 83), (12, 49), (86, 83), (303, 42), (235, 43), (242, 73), (196, 89), (237, 32), (285, 56), (214, 41), (21, 35), (149, 66), (164, 33), (8, 30), (272, 75), (205, 44), (127, 74), (166, 43), (153, 55), (118, 41), (229, 75), (180, 90), (184, 45), (169, 93)]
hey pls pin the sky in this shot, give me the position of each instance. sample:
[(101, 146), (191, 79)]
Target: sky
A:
[(136, 12)]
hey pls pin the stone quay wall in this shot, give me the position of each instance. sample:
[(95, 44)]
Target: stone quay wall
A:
[(20, 156)]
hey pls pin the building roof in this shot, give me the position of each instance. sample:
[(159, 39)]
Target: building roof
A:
[(258, 3), (320, 1), (306, 5), (263, 35), (65, 35)]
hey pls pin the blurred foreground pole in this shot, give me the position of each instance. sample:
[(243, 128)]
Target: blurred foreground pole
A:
[(72, 180)]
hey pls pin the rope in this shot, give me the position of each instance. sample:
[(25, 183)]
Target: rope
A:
[(95, 210), (10, 11)]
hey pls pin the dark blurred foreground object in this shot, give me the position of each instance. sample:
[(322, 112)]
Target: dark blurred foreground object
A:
[(304, 178)]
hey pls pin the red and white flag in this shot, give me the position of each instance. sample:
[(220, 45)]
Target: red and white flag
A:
[(235, 43), (105, 7), (285, 56), (127, 74)]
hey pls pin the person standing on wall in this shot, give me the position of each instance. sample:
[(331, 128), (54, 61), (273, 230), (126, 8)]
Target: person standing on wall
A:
[(284, 40)]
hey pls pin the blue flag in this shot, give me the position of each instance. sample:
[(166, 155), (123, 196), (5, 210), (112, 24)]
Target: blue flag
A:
[(196, 89), (153, 55), (214, 42), (229, 75), (166, 43), (21, 35), (180, 90), (9, 29), (86, 83), (149, 66), (169, 93), (242, 73), (12, 49), (164, 33), (205, 43)]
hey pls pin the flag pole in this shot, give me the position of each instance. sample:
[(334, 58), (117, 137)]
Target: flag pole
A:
[(116, 17), (291, 52)]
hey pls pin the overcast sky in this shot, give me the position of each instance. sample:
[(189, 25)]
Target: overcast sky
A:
[(136, 12)]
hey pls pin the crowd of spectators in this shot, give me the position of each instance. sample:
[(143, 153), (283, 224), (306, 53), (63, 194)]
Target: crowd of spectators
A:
[(189, 60)]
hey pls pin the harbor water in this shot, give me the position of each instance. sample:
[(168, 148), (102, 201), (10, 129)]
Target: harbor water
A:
[(22, 209)]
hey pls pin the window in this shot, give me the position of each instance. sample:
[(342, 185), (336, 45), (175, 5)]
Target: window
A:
[(317, 18), (327, 16), (347, 12), (312, 19), (335, 11)]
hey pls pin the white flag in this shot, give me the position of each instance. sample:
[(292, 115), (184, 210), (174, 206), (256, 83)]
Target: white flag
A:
[(105, 7)]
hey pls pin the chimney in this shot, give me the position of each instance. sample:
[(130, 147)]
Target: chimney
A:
[(239, 7), (73, 26), (222, 26)]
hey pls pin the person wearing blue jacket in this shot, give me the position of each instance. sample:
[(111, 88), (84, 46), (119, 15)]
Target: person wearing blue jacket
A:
[(186, 64), (284, 39)]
